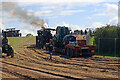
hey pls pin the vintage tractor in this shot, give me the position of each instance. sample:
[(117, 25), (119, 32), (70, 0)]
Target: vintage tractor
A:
[(44, 37), (6, 48)]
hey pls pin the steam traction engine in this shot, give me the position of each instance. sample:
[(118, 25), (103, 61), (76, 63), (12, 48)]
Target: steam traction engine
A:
[(44, 36), (6, 48)]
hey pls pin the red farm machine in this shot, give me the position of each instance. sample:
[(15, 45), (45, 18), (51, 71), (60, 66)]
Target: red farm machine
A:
[(64, 42)]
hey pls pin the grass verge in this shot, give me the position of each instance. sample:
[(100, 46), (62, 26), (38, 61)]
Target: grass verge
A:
[(109, 57)]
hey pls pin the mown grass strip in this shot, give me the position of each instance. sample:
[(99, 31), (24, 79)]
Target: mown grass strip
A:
[(108, 56), (15, 41)]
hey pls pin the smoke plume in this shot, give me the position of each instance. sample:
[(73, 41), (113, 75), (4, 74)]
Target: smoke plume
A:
[(15, 11), (1, 26)]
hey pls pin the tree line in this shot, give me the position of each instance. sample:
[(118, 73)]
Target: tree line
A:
[(105, 37), (109, 31)]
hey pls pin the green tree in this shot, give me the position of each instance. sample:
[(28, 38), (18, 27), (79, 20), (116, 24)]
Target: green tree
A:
[(107, 32)]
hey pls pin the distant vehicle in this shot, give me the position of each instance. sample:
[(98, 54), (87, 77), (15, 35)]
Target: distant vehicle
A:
[(29, 35), (6, 48), (11, 32)]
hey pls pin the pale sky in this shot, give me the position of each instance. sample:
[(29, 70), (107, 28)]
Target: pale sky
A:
[(76, 14)]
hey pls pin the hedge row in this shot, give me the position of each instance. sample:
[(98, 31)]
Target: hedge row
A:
[(104, 33)]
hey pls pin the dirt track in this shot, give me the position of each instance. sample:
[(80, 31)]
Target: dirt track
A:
[(30, 62)]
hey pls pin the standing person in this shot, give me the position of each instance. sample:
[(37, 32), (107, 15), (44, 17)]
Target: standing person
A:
[(85, 32), (81, 32), (20, 35), (90, 32), (50, 49)]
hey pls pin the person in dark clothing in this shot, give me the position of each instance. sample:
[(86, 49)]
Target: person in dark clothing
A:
[(50, 47), (81, 32), (90, 32), (20, 35), (85, 32)]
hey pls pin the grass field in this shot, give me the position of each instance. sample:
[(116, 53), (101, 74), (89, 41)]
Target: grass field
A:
[(15, 41)]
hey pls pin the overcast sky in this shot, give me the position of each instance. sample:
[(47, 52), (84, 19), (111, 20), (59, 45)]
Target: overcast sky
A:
[(76, 14)]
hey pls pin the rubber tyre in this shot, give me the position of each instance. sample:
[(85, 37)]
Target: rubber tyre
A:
[(71, 53), (67, 52)]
